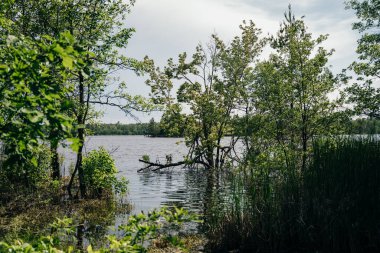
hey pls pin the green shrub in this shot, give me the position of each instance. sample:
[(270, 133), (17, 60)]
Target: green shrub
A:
[(138, 234), (30, 172), (100, 173)]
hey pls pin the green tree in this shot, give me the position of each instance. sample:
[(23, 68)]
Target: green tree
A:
[(99, 28), (172, 123), (364, 94), (153, 128), (291, 89), (32, 74), (212, 83)]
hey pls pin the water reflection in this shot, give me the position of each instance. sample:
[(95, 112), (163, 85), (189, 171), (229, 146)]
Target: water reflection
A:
[(172, 186), (181, 187), (191, 188)]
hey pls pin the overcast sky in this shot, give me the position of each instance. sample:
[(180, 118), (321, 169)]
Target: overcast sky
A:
[(165, 28)]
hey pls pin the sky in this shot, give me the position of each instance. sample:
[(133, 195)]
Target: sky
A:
[(165, 28)]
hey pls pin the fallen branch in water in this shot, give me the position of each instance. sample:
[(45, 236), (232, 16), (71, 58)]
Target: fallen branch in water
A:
[(159, 166), (154, 166)]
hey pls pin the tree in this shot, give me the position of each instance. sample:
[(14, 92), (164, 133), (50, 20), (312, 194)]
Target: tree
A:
[(153, 128), (212, 86), (98, 28), (291, 89), (365, 95), (31, 76)]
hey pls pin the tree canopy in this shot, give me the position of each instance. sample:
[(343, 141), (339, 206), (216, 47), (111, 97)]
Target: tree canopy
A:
[(365, 94)]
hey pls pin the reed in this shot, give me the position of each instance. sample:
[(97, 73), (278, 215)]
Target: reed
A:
[(332, 206), (342, 195)]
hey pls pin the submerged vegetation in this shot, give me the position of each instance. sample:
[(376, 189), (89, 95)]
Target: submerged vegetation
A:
[(292, 176)]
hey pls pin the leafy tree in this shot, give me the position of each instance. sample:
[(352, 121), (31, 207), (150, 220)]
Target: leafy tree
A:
[(153, 128), (364, 94), (172, 123), (98, 27), (291, 89), (31, 76), (212, 83)]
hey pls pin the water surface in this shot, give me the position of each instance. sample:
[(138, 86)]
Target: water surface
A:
[(149, 190)]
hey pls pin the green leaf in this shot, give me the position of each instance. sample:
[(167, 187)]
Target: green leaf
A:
[(34, 161), (67, 62), (75, 143), (59, 49)]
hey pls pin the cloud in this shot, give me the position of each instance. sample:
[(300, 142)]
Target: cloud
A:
[(166, 28)]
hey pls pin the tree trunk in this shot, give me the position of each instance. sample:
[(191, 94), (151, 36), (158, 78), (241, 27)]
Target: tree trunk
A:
[(55, 162), (81, 116), (81, 121), (79, 164)]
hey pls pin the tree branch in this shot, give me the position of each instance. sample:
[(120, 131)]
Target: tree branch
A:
[(158, 166)]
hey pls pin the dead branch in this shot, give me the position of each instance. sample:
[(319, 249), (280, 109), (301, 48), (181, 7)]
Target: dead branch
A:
[(154, 166), (158, 166)]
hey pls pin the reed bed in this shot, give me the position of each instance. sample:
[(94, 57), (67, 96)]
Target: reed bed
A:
[(332, 206)]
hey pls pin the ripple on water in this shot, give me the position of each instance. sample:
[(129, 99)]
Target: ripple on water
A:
[(149, 190)]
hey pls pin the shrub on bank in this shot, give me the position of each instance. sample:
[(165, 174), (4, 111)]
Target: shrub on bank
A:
[(141, 232), (100, 174), (20, 174)]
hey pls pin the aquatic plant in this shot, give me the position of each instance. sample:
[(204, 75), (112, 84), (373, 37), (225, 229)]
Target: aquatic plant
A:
[(332, 207)]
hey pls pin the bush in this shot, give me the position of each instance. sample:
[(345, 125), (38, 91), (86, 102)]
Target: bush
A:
[(100, 173), (141, 232), (30, 172)]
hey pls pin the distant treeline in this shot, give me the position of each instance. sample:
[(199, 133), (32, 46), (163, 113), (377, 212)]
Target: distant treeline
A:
[(365, 126), (152, 129)]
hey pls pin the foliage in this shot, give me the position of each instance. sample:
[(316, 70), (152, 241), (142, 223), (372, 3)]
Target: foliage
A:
[(139, 231), (16, 172), (61, 230), (32, 81), (290, 92), (332, 208), (27, 217), (100, 173), (364, 94), (172, 123), (146, 158), (98, 27), (117, 129), (152, 129), (212, 83), (364, 126), (287, 107)]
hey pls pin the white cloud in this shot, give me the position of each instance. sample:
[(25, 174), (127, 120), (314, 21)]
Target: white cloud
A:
[(166, 28)]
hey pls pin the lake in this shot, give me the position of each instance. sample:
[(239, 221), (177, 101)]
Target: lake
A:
[(149, 190)]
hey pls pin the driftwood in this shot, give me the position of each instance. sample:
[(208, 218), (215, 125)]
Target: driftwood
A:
[(157, 166), (223, 153), (154, 166)]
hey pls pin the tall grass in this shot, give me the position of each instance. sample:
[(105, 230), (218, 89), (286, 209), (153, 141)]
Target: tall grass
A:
[(342, 195), (332, 206)]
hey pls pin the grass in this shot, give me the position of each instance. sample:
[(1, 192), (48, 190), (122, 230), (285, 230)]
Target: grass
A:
[(333, 206)]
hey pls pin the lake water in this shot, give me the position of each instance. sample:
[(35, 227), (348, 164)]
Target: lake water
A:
[(149, 190)]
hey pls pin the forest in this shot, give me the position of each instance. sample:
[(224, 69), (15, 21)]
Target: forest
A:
[(289, 151), (155, 129)]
